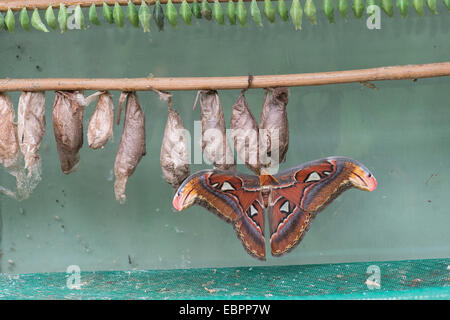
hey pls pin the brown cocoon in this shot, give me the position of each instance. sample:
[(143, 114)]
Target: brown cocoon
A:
[(174, 155), (245, 134), (131, 147), (31, 129), (274, 118), (100, 127), (68, 111), (9, 143), (215, 145)]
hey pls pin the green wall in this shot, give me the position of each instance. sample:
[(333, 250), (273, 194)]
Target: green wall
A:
[(401, 131)]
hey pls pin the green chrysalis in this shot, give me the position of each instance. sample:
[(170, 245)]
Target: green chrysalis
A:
[(370, 7), (388, 7), (50, 18), (310, 11), (107, 13), (24, 19), (145, 16), (447, 4), (282, 10), (218, 12), (343, 8), (93, 17), (231, 12), (206, 10), (358, 8), (79, 17), (118, 15), (432, 5), (36, 21), (171, 13), (296, 14), (402, 6), (418, 6), (158, 13), (185, 12), (2, 21), (255, 13), (269, 11), (370, 3), (63, 16), (196, 10), (241, 12), (328, 9), (132, 14), (10, 22)]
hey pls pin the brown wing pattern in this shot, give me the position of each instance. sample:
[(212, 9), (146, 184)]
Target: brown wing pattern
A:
[(233, 197), (305, 190)]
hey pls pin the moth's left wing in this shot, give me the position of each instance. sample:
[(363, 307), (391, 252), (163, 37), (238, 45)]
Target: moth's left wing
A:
[(303, 191), (233, 197)]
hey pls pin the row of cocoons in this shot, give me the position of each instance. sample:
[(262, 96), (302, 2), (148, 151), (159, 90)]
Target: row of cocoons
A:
[(235, 12), (20, 141)]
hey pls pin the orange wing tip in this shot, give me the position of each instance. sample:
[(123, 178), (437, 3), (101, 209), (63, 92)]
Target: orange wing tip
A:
[(362, 178), (177, 204), (184, 199), (372, 183), (180, 198), (186, 194)]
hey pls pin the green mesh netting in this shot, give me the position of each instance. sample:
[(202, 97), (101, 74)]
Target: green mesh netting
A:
[(416, 279)]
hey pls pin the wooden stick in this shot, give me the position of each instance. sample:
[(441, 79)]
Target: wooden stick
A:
[(226, 83), (17, 5)]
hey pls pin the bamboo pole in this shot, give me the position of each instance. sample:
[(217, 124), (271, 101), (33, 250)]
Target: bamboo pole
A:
[(227, 83), (17, 5)]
